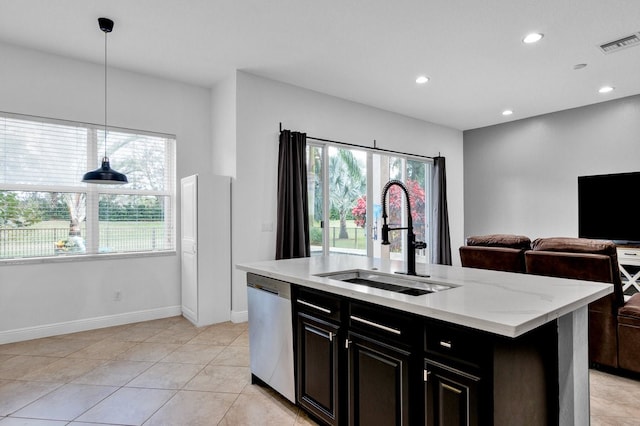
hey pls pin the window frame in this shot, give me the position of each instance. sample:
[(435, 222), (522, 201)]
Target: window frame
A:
[(94, 191), (370, 152)]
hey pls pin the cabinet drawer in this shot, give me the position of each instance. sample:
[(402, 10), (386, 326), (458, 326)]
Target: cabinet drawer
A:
[(628, 255), (452, 342), (319, 304), (383, 322)]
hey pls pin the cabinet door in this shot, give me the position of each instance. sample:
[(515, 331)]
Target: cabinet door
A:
[(189, 244), (378, 383), (451, 396), (318, 367)]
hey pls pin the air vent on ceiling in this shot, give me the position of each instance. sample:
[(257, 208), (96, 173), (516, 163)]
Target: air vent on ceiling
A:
[(623, 43)]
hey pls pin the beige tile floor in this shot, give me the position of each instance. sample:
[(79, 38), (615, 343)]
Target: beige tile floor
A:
[(163, 372), (168, 372)]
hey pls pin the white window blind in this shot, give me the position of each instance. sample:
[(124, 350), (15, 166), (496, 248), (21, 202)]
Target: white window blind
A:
[(45, 209)]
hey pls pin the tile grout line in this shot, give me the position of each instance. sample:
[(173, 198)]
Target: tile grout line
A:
[(152, 364)]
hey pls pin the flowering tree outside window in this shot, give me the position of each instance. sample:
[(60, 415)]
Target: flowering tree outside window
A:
[(359, 212), (395, 210)]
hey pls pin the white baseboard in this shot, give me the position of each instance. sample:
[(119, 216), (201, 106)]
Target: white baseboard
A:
[(239, 316), (48, 330)]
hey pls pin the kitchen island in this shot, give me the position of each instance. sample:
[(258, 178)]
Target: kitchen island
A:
[(482, 330)]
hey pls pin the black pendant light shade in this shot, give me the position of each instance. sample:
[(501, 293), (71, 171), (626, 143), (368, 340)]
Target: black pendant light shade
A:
[(105, 174)]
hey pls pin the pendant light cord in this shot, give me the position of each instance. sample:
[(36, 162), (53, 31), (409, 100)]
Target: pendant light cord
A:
[(105, 94), (105, 174)]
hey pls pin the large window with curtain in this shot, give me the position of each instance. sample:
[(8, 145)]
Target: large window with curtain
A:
[(47, 212), (345, 212)]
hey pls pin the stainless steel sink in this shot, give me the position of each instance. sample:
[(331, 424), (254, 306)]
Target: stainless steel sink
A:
[(397, 284)]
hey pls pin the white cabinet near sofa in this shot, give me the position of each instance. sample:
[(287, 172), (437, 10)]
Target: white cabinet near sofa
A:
[(205, 229), (629, 263)]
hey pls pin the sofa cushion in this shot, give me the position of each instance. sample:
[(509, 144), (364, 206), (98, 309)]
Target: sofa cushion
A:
[(575, 245), (500, 240)]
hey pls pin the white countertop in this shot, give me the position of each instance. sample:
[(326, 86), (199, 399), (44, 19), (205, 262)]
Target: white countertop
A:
[(503, 303)]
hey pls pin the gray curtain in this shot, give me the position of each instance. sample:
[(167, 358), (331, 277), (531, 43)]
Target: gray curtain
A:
[(441, 253), (292, 235)]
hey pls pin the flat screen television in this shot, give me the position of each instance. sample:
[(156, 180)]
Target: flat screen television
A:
[(609, 207)]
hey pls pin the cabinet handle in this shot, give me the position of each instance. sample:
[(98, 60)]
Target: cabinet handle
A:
[(347, 342), (426, 375), (329, 335), (311, 305), (445, 344), (451, 388), (375, 324), (631, 254)]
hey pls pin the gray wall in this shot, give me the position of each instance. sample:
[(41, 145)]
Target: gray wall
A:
[(521, 177)]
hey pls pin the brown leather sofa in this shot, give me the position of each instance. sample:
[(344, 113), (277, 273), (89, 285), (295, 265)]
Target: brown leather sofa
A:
[(592, 260), (614, 326), (499, 252)]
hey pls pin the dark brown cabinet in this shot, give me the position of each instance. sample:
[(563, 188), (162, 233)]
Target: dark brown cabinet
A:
[(359, 363), (383, 345), (318, 367), (378, 383), (456, 358), (354, 361), (319, 354), (451, 396), (477, 378)]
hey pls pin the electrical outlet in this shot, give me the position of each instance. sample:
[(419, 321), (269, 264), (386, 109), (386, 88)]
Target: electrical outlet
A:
[(117, 295)]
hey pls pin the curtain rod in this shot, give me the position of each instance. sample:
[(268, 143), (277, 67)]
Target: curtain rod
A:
[(374, 148)]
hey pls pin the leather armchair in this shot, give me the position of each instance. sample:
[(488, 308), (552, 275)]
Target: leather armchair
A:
[(586, 259), (498, 252)]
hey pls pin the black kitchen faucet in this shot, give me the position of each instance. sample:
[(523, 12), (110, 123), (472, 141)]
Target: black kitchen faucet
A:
[(412, 244)]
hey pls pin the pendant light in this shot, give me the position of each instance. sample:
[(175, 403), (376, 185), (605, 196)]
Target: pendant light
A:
[(105, 174)]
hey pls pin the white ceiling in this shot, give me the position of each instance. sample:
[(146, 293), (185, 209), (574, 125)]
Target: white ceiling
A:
[(367, 51)]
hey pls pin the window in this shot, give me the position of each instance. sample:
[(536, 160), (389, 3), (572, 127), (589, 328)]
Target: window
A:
[(349, 219), (315, 191), (45, 209), (415, 175)]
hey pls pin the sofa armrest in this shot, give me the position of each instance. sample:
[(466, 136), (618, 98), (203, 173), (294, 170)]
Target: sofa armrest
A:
[(629, 334), (494, 258)]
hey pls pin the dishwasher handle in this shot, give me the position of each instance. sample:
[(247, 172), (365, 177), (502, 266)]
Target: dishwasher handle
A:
[(265, 289), (269, 285)]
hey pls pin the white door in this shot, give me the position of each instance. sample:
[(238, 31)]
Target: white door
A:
[(189, 255)]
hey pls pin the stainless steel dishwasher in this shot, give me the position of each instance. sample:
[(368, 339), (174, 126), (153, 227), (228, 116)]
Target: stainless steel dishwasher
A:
[(271, 333)]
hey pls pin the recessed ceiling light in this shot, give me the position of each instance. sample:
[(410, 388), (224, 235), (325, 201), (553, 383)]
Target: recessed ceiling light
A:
[(507, 112), (605, 89), (422, 79), (533, 38)]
